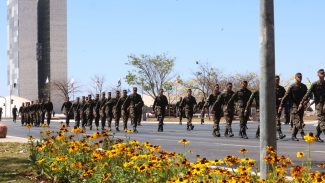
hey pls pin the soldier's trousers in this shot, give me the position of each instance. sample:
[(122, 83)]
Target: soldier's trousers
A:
[(97, 117), (77, 120), (90, 119), (189, 116), (67, 119), (83, 120), (229, 118), (22, 119), (135, 115), (181, 115), (117, 118), (139, 117), (125, 118), (297, 121), (42, 117), (321, 120), (48, 118), (103, 120), (216, 122), (243, 118), (109, 117)]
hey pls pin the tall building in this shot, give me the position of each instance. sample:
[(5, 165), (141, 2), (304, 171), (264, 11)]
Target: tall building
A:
[(37, 50)]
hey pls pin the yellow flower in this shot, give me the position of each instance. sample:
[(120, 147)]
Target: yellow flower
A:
[(44, 125), (310, 138), (29, 126), (242, 169), (128, 131), (60, 136), (300, 154), (184, 141), (40, 161), (76, 165), (269, 159), (31, 138), (96, 135), (105, 177), (77, 130), (60, 158), (243, 151), (321, 165)]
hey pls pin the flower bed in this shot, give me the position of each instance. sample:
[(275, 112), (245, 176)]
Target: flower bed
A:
[(65, 156)]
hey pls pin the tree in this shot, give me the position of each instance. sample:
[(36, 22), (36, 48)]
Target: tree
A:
[(65, 89), (97, 85), (204, 79), (150, 72), (250, 77)]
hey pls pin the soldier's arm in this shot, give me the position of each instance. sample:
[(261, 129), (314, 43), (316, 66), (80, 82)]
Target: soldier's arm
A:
[(232, 99), (308, 95), (154, 104), (250, 101), (284, 99), (126, 103), (62, 106)]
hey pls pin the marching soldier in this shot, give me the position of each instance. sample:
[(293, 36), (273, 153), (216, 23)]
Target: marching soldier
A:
[(14, 113), (255, 96), (216, 111), (295, 94), (317, 89), (32, 113), (103, 101), (97, 105), (159, 106), (134, 103), (89, 112), (180, 110), (109, 111), (49, 110), (83, 115), (189, 103), (116, 105), (242, 97), (279, 94), (201, 107), (67, 110), (125, 112), (228, 108), (42, 111), (21, 112), (76, 112)]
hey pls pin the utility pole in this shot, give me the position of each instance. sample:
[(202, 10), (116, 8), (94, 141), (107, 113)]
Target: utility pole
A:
[(267, 82)]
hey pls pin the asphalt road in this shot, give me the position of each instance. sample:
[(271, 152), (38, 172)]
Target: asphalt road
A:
[(202, 142)]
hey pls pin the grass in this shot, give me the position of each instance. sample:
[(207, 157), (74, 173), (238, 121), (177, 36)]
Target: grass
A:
[(14, 163)]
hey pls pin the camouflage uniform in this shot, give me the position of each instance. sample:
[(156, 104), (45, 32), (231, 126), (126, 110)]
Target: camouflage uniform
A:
[(189, 103), (317, 89), (116, 105), (21, 112), (228, 109), (67, 111), (49, 110), (109, 111), (216, 112), (279, 94), (295, 95), (241, 97), (42, 111), (134, 103), (97, 105), (83, 115), (90, 104), (255, 96), (125, 112), (76, 112), (180, 111), (201, 107), (159, 106), (102, 110)]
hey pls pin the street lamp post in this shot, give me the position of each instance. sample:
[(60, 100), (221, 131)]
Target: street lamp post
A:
[(267, 84)]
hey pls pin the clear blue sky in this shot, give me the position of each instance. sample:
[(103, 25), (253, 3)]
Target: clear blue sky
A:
[(101, 33)]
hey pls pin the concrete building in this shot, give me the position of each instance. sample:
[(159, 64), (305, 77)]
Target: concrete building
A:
[(37, 48)]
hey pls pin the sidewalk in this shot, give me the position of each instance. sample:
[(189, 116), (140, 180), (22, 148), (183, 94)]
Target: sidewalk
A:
[(13, 139)]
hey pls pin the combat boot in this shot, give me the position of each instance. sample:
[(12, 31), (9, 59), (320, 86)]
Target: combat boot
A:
[(202, 121), (230, 132), (318, 139), (281, 135), (294, 135), (214, 133), (192, 127), (302, 133), (226, 132), (117, 129), (135, 130), (244, 135)]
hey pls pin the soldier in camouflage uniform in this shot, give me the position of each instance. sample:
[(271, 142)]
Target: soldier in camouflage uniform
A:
[(135, 103), (109, 111), (279, 94), (90, 112), (255, 96), (216, 111), (97, 105), (102, 112), (227, 107), (201, 107), (189, 103), (43, 111), (317, 89), (22, 114), (32, 113), (180, 110), (159, 106), (295, 94), (83, 115), (125, 112), (67, 111), (242, 97), (116, 105), (76, 112), (49, 110)]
